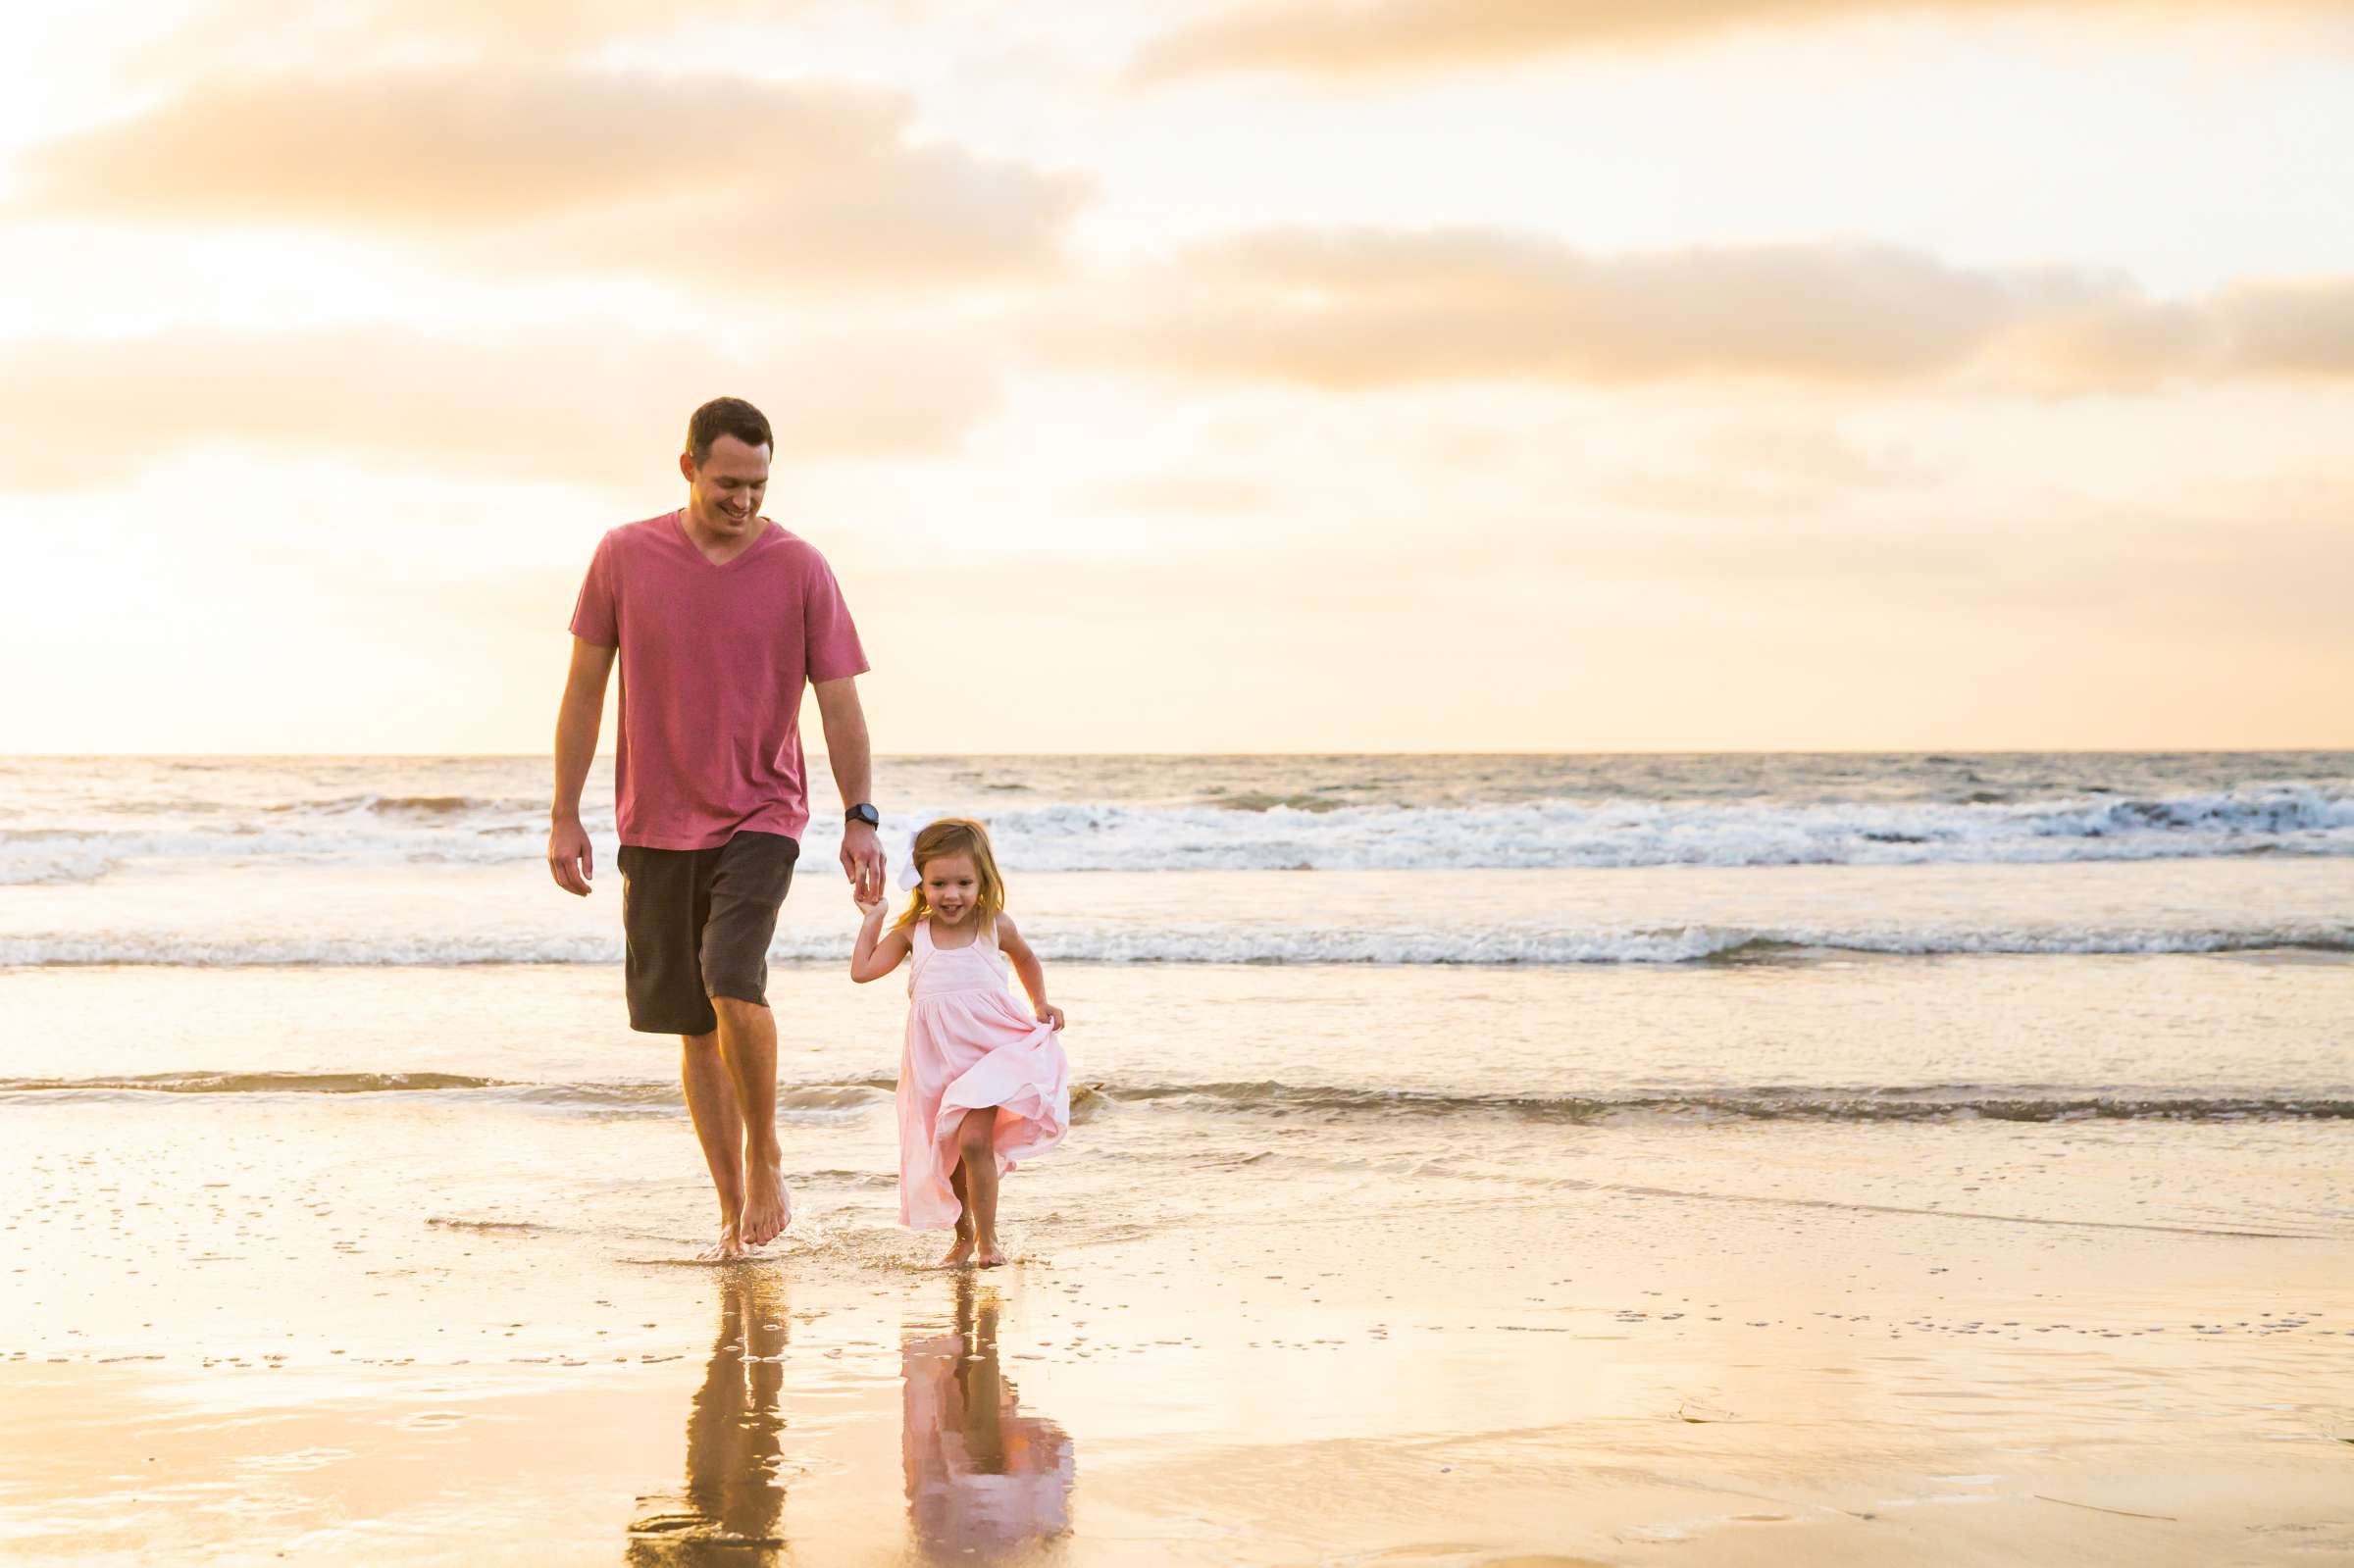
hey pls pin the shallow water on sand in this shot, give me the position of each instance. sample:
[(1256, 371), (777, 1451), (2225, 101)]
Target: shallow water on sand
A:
[(2229, 1036), (1886, 1160), (277, 913), (1600, 1288)]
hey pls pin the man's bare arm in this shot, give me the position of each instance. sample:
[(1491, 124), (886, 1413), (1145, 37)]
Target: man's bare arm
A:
[(852, 761), (846, 747), (578, 719)]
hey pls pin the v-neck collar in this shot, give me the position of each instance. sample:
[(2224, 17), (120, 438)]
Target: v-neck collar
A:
[(678, 528)]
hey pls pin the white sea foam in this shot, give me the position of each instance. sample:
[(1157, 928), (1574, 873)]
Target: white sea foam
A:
[(1207, 943), (851, 1100), (41, 856), (2294, 819), (22, 867)]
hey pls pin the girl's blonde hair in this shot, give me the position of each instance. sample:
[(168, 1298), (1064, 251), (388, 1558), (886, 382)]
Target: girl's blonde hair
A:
[(956, 836)]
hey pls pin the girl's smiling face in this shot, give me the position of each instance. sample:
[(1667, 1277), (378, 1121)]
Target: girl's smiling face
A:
[(951, 883)]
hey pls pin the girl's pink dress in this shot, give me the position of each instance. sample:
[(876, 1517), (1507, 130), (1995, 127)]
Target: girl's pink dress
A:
[(970, 1045)]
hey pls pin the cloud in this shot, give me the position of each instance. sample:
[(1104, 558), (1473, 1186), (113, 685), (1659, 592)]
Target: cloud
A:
[(1778, 469), (238, 28), (1353, 309), (559, 407), (2285, 328), (2261, 559), (1186, 494), (1380, 37), (2223, 559), (707, 179)]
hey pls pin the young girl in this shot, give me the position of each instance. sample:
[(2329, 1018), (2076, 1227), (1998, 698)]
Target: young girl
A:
[(982, 1083)]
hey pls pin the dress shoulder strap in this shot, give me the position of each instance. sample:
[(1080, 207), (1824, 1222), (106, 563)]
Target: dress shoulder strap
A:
[(919, 953)]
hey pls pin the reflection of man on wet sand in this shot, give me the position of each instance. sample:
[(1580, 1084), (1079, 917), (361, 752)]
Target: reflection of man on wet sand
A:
[(734, 1502), (982, 1480)]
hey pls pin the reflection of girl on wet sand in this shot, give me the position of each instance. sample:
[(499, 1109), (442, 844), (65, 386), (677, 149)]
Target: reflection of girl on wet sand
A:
[(734, 1439), (984, 1481)]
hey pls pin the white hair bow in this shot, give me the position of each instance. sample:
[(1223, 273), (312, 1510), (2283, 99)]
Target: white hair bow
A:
[(910, 878)]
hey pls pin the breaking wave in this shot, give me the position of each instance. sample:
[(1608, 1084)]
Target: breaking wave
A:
[(858, 1096), (1207, 942), (1271, 833), (254, 1084)]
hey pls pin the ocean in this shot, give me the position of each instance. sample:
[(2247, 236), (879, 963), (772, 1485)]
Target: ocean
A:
[(1599, 1040)]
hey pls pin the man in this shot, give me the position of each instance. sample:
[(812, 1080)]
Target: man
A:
[(719, 616)]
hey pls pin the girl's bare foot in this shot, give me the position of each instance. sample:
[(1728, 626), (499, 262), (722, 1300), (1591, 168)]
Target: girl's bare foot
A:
[(727, 1249), (959, 1254), (992, 1256)]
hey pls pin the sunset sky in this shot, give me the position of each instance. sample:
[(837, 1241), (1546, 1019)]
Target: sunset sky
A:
[(1513, 375)]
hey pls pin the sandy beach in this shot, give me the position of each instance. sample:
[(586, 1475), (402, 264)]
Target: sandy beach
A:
[(1616, 735), (430, 1324), (1597, 1381), (1629, 1161)]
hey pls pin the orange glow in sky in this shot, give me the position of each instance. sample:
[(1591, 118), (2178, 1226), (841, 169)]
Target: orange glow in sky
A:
[(1279, 375)]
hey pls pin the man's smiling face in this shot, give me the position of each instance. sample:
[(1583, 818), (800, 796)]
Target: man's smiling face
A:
[(727, 488)]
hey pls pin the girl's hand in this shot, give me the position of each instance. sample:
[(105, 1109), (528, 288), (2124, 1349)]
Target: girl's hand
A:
[(1049, 1013), (869, 907)]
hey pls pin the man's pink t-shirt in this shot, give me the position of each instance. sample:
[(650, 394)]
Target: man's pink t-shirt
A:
[(712, 661)]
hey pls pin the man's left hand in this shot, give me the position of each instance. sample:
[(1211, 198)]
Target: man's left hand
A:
[(863, 861)]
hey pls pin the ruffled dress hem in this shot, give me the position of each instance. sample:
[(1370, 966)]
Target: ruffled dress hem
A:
[(970, 1046)]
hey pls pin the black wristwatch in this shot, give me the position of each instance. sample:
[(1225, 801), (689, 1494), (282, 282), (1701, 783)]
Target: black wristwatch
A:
[(862, 812)]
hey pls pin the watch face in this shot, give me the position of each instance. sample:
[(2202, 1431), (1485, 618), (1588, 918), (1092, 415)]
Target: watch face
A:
[(865, 814)]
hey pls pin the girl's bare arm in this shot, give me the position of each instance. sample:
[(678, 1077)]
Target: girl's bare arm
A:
[(878, 953), (1026, 965)]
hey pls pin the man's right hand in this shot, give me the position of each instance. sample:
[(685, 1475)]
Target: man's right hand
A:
[(569, 858)]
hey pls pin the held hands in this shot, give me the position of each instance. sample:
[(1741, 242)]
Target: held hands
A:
[(862, 863)]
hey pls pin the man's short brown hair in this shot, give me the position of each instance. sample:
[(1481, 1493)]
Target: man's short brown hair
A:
[(726, 416)]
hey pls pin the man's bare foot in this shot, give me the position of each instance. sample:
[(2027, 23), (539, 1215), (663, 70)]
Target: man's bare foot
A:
[(766, 1209), (727, 1249), (958, 1255), (991, 1255)]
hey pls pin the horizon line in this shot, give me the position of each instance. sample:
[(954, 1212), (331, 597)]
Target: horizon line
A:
[(930, 756)]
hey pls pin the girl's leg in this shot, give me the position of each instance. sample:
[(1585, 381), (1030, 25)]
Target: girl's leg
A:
[(963, 1248), (977, 1140)]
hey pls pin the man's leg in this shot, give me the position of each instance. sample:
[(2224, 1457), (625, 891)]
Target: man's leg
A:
[(748, 881), (665, 904), (719, 1127), (747, 1044)]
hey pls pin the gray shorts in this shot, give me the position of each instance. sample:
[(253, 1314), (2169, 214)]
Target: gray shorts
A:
[(698, 923)]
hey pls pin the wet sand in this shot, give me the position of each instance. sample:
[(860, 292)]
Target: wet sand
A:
[(265, 1336), (1630, 1160)]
